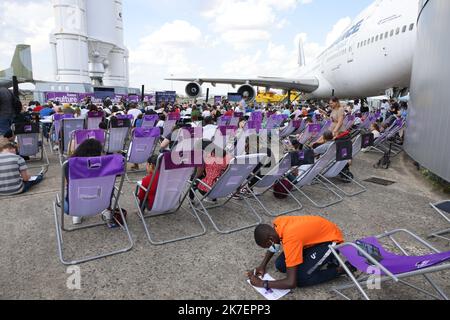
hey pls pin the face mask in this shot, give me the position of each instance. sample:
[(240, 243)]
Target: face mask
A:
[(275, 248)]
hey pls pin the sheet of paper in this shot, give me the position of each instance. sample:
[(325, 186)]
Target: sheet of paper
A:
[(272, 294), (34, 178)]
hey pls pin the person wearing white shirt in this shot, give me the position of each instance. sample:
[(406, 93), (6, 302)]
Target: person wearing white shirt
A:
[(206, 113), (209, 130), (134, 112)]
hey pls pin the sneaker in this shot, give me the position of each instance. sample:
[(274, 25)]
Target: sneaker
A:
[(77, 220)]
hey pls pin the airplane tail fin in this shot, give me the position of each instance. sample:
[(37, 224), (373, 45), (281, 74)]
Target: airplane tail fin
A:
[(301, 53), (21, 65)]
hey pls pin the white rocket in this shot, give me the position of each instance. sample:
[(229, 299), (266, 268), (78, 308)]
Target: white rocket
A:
[(87, 43)]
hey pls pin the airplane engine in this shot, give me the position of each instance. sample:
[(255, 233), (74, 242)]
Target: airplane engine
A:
[(247, 92), (193, 90)]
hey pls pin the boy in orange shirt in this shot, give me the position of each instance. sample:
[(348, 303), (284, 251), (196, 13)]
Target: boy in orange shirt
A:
[(306, 242)]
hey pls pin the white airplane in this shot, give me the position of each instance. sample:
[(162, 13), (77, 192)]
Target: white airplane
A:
[(371, 58)]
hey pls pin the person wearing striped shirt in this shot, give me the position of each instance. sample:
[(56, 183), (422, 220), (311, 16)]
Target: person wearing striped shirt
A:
[(14, 177)]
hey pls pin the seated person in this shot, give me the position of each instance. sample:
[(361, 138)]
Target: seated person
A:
[(375, 129), (209, 130), (89, 148), (324, 143), (151, 166), (306, 259), (216, 163), (14, 177)]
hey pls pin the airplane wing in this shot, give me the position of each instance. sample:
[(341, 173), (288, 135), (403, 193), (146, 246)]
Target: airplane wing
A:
[(306, 84)]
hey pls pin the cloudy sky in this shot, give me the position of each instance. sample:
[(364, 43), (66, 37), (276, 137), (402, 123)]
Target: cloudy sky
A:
[(216, 38)]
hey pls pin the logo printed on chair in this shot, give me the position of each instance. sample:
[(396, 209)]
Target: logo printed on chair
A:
[(423, 264)]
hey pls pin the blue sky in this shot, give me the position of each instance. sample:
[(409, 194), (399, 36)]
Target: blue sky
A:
[(219, 38)]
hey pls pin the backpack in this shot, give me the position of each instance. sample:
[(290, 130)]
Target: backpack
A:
[(279, 189)]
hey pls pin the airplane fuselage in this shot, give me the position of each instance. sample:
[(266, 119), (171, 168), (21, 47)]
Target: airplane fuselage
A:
[(373, 55)]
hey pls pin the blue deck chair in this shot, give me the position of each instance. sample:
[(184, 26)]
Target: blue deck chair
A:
[(371, 258), (443, 208), (90, 191), (31, 144), (230, 184), (174, 183)]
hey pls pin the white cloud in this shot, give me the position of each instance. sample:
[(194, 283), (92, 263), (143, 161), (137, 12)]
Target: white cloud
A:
[(27, 22), (164, 52), (241, 23)]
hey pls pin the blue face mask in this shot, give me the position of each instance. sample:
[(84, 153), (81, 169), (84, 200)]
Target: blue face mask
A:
[(275, 248)]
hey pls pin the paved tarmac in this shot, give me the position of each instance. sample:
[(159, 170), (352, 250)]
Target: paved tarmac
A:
[(209, 267)]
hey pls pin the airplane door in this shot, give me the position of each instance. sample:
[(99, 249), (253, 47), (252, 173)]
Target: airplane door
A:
[(350, 54)]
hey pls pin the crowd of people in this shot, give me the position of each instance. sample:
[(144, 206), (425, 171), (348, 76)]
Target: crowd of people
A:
[(301, 237)]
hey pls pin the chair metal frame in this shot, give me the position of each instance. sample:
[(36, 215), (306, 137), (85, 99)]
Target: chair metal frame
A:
[(204, 209), (142, 208), (446, 215), (397, 278), (58, 205)]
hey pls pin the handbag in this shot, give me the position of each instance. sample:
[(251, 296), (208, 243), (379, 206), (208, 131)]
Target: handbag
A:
[(344, 150), (368, 140)]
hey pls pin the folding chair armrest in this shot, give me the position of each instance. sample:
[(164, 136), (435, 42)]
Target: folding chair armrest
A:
[(414, 236), (204, 184), (140, 186)]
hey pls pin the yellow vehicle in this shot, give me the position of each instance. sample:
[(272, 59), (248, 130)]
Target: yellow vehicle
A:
[(272, 97)]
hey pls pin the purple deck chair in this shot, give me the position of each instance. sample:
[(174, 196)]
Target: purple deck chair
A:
[(443, 208), (293, 126), (224, 121), (225, 135), (300, 129), (150, 121), (236, 118), (68, 127), (381, 144), (173, 187), (325, 127), (31, 143), (370, 257), (81, 136), (118, 134), (230, 184), (55, 131), (143, 144), (170, 123), (91, 190), (256, 116), (265, 184), (94, 118), (274, 122), (312, 176), (336, 168), (311, 132), (349, 121), (189, 139)]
